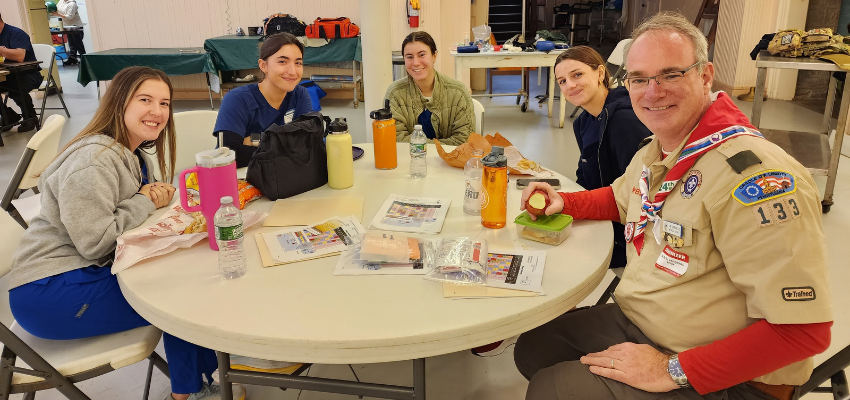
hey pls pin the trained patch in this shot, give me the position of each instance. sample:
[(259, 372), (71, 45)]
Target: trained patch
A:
[(691, 184), (802, 293), (764, 186)]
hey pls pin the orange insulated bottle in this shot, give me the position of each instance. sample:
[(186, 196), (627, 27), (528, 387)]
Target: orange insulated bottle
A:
[(383, 136), (494, 189)]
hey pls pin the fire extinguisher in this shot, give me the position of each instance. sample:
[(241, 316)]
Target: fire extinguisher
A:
[(413, 13)]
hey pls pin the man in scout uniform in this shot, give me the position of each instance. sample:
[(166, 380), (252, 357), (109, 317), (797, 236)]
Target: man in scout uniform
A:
[(725, 293)]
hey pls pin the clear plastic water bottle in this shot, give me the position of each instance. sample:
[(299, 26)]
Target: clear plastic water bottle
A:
[(472, 172), (418, 150), (228, 235)]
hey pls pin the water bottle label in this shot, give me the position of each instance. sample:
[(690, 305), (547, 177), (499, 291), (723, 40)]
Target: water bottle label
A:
[(472, 195), (417, 149), (228, 232)]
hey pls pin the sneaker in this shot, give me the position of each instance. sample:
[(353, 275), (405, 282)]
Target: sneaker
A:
[(27, 125), (495, 348), (13, 119), (213, 392)]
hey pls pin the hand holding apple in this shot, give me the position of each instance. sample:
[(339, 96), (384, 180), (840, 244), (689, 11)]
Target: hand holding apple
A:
[(539, 191)]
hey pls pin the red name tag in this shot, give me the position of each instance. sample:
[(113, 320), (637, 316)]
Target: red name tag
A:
[(672, 262)]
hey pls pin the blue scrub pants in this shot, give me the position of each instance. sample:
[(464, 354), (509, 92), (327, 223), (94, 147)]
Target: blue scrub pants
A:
[(88, 302)]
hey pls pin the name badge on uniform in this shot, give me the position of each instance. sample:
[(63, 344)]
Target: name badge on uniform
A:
[(287, 118), (673, 234), (672, 262)]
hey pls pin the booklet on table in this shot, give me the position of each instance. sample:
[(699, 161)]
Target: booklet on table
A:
[(408, 214)]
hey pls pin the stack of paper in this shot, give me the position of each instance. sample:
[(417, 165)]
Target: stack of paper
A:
[(293, 244), (512, 273)]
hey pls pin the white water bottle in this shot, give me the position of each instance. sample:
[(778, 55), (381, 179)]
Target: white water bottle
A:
[(418, 150), (472, 171), (228, 234)]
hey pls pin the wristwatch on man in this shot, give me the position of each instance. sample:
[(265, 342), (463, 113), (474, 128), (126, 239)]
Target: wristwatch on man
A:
[(255, 139), (676, 372)]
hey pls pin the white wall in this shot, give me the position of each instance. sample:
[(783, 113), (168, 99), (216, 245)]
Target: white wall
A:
[(170, 23)]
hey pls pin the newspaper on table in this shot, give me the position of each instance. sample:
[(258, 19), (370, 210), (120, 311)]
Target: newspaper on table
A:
[(408, 214), (176, 229), (330, 237)]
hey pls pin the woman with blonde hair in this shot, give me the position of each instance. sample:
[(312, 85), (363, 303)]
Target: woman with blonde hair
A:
[(100, 186)]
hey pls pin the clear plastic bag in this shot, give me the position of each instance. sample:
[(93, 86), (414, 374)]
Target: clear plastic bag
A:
[(482, 38), (386, 250), (461, 261)]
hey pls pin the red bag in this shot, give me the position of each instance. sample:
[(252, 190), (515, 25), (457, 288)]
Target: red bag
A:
[(332, 28)]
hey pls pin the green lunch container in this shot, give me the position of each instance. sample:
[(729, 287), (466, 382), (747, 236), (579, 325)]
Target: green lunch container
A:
[(553, 229)]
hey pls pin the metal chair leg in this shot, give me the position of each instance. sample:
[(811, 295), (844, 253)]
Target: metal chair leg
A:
[(148, 380), (29, 396), (575, 111), (62, 100)]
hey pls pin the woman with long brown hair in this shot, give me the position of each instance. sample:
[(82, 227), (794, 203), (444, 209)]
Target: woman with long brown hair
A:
[(277, 99), (426, 97), (608, 132), (100, 186)]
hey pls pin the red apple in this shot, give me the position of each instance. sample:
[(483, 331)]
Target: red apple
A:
[(537, 203)]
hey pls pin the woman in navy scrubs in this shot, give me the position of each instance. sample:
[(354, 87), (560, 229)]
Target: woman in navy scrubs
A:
[(277, 99)]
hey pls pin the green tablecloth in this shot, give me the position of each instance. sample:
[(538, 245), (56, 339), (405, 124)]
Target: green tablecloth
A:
[(233, 52), (103, 65)]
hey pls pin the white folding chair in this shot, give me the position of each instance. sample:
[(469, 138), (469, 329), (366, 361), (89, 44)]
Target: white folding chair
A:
[(47, 55), (194, 130), (478, 110), (41, 149), (617, 58), (29, 364)]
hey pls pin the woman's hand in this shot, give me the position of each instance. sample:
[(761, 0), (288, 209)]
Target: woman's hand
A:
[(557, 203), (159, 193)]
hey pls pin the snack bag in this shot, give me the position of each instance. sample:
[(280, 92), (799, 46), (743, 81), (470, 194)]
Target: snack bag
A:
[(247, 192), (460, 261)]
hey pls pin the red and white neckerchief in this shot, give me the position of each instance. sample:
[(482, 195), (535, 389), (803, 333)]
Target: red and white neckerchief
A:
[(696, 147)]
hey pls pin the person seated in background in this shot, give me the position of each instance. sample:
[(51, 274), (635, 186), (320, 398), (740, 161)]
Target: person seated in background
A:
[(15, 46), (608, 133), (67, 9), (426, 97), (100, 186), (278, 99)]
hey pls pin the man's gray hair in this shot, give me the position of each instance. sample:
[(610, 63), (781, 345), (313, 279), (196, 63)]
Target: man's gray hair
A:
[(675, 22)]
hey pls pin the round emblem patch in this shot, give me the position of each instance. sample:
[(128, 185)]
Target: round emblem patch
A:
[(715, 137), (630, 229), (691, 184)]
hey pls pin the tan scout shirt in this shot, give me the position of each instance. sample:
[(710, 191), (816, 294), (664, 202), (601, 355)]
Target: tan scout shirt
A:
[(744, 260)]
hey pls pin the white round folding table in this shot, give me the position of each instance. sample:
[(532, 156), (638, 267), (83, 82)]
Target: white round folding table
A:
[(301, 312)]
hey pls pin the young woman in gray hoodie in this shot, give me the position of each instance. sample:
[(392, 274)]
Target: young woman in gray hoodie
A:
[(100, 186)]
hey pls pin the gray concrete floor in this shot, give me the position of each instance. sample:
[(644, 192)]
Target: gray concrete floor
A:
[(458, 375)]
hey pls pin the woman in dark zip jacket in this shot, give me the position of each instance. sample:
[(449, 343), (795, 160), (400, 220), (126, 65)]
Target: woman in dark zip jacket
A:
[(608, 133)]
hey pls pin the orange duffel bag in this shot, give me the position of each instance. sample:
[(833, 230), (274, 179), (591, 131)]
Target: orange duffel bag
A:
[(332, 28)]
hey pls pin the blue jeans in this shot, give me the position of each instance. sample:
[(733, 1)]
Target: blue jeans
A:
[(88, 302)]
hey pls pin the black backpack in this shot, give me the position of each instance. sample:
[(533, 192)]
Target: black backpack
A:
[(277, 23)]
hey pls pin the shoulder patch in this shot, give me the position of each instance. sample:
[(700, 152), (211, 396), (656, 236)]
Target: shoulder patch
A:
[(739, 162), (645, 141), (763, 186)]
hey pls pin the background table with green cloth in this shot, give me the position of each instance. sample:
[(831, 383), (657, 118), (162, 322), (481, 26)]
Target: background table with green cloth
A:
[(231, 52), (103, 65)]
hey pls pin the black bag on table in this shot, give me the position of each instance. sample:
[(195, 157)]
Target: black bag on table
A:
[(291, 159)]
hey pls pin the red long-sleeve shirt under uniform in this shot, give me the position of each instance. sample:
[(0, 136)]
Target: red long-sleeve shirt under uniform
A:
[(749, 353)]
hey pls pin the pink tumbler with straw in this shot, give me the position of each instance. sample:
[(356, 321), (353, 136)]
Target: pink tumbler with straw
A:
[(216, 171)]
